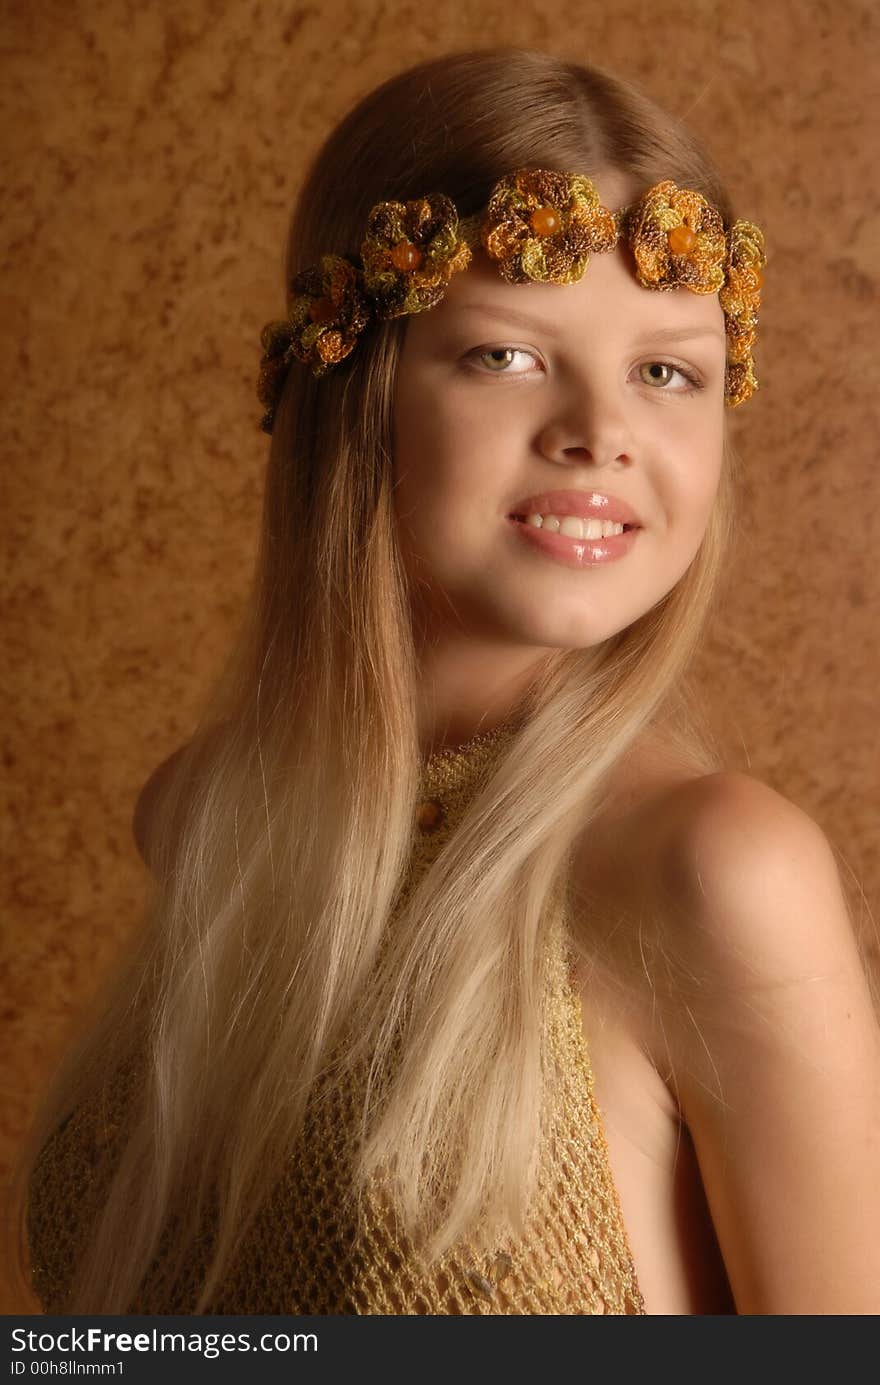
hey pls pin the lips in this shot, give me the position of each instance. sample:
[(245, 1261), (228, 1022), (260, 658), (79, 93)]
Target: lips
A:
[(584, 504)]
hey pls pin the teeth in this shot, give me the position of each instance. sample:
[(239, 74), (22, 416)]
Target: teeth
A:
[(574, 527)]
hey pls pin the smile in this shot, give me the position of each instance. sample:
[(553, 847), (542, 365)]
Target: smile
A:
[(578, 550), (575, 527)]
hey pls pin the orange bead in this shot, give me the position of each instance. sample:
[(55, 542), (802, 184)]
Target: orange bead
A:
[(429, 814), (759, 279), (681, 240), (406, 256), (322, 310), (545, 221)]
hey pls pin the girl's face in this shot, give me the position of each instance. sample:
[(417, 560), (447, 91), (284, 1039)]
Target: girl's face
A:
[(506, 392)]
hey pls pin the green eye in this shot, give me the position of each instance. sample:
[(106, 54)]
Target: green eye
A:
[(500, 356), (497, 360), (657, 372)]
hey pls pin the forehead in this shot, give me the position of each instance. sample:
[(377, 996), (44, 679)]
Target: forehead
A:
[(607, 295)]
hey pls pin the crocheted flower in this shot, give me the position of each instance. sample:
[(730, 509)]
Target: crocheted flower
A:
[(740, 299), (410, 252), (677, 238), (328, 311), (740, 381), (542, 225), (276, 339)]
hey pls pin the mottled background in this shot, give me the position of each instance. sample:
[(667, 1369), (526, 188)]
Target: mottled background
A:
[(152, 153)]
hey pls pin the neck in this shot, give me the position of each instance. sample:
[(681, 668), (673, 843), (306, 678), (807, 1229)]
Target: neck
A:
[(468, 688)]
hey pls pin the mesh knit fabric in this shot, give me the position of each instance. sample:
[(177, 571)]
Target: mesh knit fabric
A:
[(304, 1254)]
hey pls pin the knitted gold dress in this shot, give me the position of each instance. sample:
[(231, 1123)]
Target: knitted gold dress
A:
[(303, 1254)]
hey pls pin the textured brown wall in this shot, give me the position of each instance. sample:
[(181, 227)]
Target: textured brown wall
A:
[(155, 151)]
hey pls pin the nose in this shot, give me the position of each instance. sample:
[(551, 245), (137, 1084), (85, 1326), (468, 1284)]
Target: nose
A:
[(591, 430)]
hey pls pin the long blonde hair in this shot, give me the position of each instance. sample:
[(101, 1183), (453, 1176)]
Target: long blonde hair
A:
[(277, 874)]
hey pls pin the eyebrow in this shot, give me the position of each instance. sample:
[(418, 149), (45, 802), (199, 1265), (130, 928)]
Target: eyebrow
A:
[(525, 320)]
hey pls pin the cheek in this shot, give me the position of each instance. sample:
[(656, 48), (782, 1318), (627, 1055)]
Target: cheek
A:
[(698, 474), (714, 460), (423, 494), (442, 454)]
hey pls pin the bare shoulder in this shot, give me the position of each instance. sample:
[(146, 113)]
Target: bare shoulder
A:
[(153, 796), (772, 1038), (148, 801), (717, 868), (718, 906), (751, 883), (715, 906), (730, 813)]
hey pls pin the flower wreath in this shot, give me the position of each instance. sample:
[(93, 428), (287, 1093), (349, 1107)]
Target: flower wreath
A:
[(538, 226)]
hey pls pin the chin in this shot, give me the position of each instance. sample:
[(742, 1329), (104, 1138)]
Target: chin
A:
[(576, 629)]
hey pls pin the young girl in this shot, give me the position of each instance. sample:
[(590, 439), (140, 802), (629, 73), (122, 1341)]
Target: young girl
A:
[(472, 981)]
